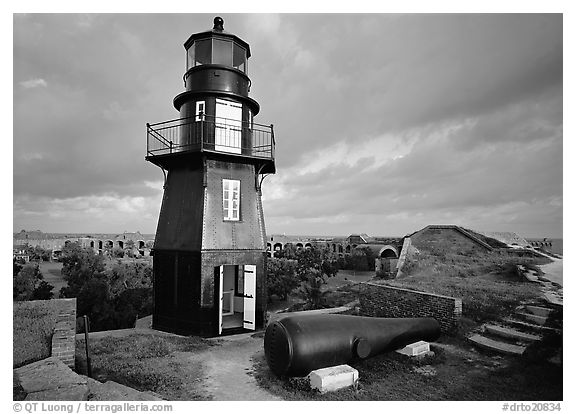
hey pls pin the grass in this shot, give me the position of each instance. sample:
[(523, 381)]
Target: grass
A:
[(146, 362), (33, 326), (450, 374)]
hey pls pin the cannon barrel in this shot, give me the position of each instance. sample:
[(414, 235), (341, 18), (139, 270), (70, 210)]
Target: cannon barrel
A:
[(297, 344)]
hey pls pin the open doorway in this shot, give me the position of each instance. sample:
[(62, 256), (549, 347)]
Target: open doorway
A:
[(237, 292)]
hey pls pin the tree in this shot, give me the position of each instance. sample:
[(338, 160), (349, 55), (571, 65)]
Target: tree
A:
[(38, 253), (127, 276), (43, 291), (311, 290), (361, 259), (282, 278), (117, 252), (80, 265), (319, 259), (24, 282), (288, 252), (28, 283)]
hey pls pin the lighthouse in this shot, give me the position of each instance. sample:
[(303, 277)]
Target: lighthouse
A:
[(210, 247)]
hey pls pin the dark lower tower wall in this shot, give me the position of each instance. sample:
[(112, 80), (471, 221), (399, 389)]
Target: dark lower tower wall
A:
[(180, 221)]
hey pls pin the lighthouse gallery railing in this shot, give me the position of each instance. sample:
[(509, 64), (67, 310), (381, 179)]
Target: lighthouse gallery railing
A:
[(204, 132)]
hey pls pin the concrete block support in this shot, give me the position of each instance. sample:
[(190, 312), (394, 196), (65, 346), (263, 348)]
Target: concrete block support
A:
[(333, 378), (414, 349)]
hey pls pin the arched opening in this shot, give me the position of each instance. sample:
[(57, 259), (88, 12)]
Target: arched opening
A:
[(120, 244), (109, 244), (92, 244), (268, 247), (348, 249), (277, 247), (99, 244), (299, 246), (388, 252), (307, 246)]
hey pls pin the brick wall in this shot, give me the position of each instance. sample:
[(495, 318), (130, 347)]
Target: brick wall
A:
[(391, 302), (64, 338)]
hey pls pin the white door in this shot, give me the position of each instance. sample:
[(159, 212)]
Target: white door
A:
[(228, 126), (250, 297), (221, 297)]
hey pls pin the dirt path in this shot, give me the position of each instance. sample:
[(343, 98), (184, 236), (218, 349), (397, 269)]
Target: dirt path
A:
[(228, 367)]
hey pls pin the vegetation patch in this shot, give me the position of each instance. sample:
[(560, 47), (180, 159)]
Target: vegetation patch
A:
[(146, 362), (33, 326), (488, 284)]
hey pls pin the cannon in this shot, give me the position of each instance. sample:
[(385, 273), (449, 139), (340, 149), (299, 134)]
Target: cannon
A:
[(295, 345)]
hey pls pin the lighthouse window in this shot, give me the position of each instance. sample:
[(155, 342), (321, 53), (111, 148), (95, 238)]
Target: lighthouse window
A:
[(190, 57), (231, 199), (221, 52), (239, 58), (203, 52)]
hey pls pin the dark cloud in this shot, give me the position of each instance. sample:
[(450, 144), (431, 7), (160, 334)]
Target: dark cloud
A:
[(407, 118)]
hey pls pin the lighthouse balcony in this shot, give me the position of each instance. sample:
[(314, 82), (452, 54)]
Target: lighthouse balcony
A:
[(225, 138)]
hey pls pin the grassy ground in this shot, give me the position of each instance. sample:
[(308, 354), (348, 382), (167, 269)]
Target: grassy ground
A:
[(52, 274), (146, 362), (488, 284), (453, 373), (33, 325)]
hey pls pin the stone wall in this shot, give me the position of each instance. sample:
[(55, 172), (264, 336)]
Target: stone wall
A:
[(391, 302), (64, 338)]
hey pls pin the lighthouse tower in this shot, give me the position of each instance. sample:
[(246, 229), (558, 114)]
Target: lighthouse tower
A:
[(210, 247)]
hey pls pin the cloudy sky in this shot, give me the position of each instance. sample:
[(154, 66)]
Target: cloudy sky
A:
[(384, 123)]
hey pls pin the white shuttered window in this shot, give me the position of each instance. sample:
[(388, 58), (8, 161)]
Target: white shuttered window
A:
[(231, 199)]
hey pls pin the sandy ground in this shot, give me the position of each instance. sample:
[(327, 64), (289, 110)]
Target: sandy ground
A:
[(554, 271), (228, 369)]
